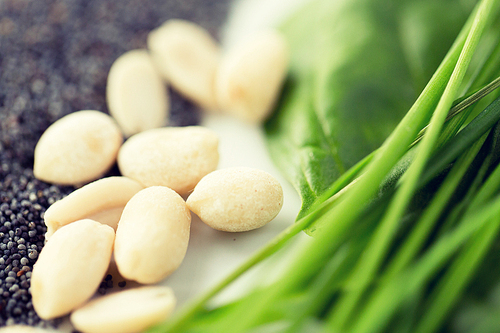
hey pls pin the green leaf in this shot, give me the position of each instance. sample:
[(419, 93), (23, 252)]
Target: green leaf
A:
[(357, 67)]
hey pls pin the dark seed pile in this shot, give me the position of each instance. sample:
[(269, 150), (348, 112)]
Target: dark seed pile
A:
[(22, 201), (54, 59)]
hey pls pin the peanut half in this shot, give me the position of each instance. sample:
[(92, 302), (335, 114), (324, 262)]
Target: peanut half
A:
[(236, 199), (135, 93), (102, 200), (77, 148), (187, 56), (176, 157), (70, 267), (250, 76), (128, 311), (152, 235)]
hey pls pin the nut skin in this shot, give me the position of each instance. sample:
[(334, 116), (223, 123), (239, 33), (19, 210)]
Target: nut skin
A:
[(236, 199), (135, 93), (187, 56), (70, 267), (92, 201), (152, 235), (77, 149), (176, 157), (127, 311)]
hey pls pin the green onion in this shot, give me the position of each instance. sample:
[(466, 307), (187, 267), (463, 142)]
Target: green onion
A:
[(399, 236)]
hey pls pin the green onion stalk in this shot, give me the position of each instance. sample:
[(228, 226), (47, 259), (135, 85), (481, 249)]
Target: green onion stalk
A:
[(401, 239)]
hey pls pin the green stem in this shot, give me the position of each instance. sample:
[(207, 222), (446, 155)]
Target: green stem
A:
[(370, 262), (487, 191), (453, 283), (464, 104), (389, 296), (271, 247), (431, 214), (464, 139), (473, 98)]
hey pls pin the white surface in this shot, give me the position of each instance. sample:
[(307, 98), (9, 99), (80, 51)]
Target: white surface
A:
[(213, 254), (249, 16)]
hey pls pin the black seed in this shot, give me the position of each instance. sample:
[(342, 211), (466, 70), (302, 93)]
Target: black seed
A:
[(14, 288), (33, 254)]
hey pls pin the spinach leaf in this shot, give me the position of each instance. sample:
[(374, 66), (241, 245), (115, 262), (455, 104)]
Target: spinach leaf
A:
[(357, 66)]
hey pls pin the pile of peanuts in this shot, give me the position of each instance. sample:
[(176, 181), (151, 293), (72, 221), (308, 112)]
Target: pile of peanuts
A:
[(141, 220), (243, 82)]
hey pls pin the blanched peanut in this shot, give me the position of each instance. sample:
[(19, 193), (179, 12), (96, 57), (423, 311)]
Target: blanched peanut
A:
[(176, 157), (102, 201), (250, 76), (187, 56), (70, 267), (236, 199), (128, 311), (135, 93), (77, 148), (152, 236), (109, 216)]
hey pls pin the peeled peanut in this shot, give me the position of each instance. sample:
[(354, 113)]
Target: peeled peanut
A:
[(102, 201), (176, 157), (236, 199), (152, 236), (135, 93), (70, 267), (250, 76), (187, 56), (109, 216), (77, 148), (128, 311)]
